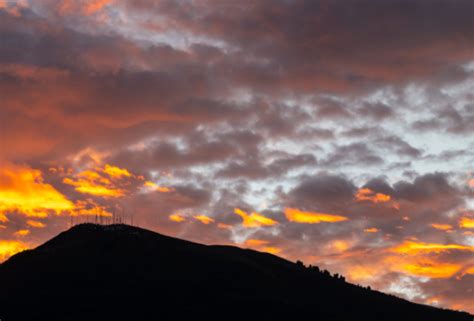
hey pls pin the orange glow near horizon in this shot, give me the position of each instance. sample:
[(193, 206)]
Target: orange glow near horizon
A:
[(9, 248), (410, 247), (298, 216), (253, 242), (429, 268), (254, 219), (270, 249), (358, 273), (262, 245), (23, 190)]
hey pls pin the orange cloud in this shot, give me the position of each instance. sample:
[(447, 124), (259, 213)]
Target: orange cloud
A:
[(371, 230), (261, 245), (428, 268), (413, 264), (89, 208), (177, 218), (95, 6), (155, 187), (9, 248), (104, 182), (442, 227), (339, 245), (23, 190), (253, 242), (270, 249), (204, 219), (469, 270), (296, 215), (410, 247), (358, 273), (471, 182), (13, 7), (85, 7), (466, 222), (224, 226), (22, 233), (254, 219), (366, 194), (116, 172), (36, 224)]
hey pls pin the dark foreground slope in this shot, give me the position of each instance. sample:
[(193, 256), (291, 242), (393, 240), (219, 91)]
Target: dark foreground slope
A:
[(119, 272)]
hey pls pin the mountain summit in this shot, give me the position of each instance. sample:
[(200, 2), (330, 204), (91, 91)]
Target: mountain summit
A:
[(120, 272)]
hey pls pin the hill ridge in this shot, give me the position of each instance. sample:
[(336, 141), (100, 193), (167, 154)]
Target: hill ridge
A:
[(138, 269)]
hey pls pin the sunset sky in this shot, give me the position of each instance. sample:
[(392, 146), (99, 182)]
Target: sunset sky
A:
[(339, 133)]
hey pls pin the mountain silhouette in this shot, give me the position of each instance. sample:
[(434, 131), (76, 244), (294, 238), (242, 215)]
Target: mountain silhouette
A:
[(120, 272)]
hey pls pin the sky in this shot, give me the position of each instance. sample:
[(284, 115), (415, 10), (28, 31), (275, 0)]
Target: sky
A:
[(338, 133)]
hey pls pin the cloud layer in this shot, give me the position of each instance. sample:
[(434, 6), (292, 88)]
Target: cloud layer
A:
[(337, 133)]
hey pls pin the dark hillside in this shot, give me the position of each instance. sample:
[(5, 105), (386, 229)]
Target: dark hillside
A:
[(119, 272)]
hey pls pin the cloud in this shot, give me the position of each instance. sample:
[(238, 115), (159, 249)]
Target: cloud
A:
[(204, 219), (410, 247), (23, 190), (253, 219), (35, 224), (9, 248), (296, 215), (442, 227), (428, 268), (109, 181), (162, 110), (177, 218), (366, 194), (261, 245), (86, 7), (325, 188), (466, 222)]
